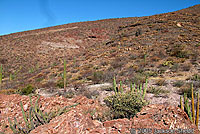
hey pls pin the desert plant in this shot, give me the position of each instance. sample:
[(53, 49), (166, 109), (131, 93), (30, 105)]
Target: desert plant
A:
[(157, 91), (181, 104), (191, 111), (26, 90), (11, 77), (126, 104), (193, 115), (115, 85), (197, 112), (1, 77), (121, 88), (34, 118), (145, 89), (195, 77), (178, 83), (64, 75)]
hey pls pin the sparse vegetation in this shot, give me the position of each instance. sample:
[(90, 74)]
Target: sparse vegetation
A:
[(35, 117), (195, 77), (26, 90), (187, 90), (125, 104), (64, 75), (157, 91), (178, 83), (191, 110)]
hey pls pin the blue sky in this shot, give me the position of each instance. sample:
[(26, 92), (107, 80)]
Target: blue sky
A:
[(23, 15)]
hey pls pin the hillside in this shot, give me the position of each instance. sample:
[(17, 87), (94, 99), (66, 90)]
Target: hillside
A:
[(164, 48), (106, 47)]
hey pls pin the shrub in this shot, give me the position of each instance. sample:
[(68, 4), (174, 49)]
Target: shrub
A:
[(97, 76), (195, 77), (124, 105), (27, 90), (178, 83), (187, 90), (157, 91)]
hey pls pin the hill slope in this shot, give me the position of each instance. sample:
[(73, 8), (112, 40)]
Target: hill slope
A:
[(160, 46)]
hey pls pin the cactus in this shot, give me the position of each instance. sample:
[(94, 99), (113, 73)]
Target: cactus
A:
[(134, 89), (140, 88), (181, 104), (35, 118), (1, 71), (145, 59), (145, 89), (121, 88), (115, 85), (64, 75), (197, 112), (193, 114), (188, 109), (131, 87), (24, 115)]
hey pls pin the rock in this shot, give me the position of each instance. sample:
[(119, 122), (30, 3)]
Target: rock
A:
[(179, 24), (103, 86)]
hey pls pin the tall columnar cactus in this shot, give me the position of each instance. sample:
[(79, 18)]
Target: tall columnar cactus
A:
[(193, 114), (188, 108), (1, 71), (181, 104), (131, 87), (197, 113), (121, 88), (115, 85), (64, 74), (145, 89)]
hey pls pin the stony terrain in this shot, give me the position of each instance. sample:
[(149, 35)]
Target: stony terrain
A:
[(164, 48)]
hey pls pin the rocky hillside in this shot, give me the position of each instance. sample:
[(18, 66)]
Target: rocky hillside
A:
[(164, 48), (160, 46)]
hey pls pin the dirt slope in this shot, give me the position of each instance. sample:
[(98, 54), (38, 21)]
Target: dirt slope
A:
[(164, 45)]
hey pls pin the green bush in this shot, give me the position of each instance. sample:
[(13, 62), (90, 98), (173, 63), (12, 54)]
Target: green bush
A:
[(60, 83), (27, 90), (125, 105)]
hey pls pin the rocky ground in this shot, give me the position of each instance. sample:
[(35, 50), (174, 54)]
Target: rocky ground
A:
[(89, 117)]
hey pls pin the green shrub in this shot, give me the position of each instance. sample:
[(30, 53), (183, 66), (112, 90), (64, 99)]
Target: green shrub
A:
[(60, 83), (27, 90), (125, 105)]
